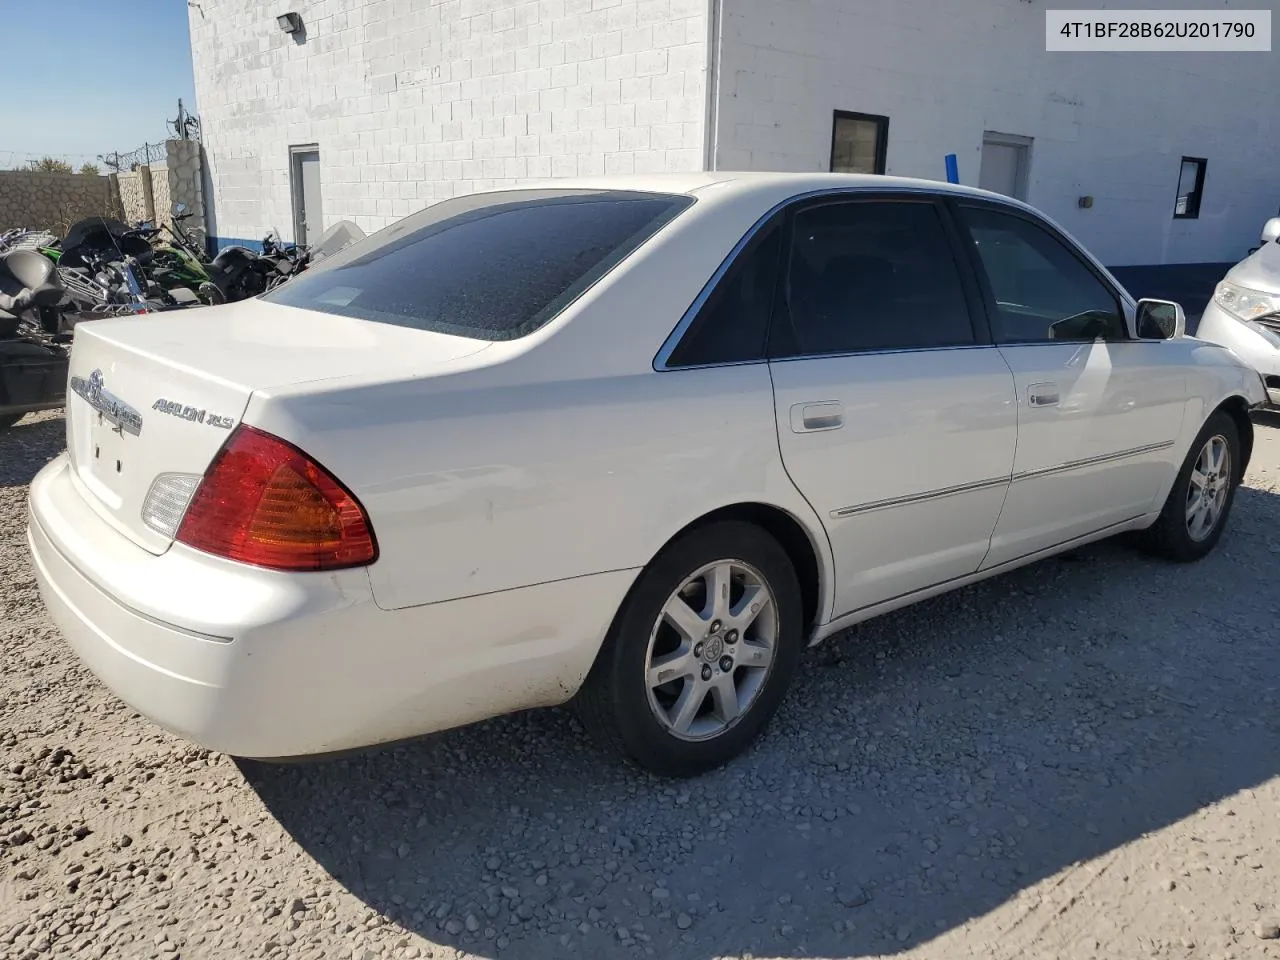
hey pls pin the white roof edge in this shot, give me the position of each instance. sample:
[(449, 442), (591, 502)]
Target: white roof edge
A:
[(693, 182)]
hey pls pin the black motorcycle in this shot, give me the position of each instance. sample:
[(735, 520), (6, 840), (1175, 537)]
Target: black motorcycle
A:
[(33, 344), (106, 267)]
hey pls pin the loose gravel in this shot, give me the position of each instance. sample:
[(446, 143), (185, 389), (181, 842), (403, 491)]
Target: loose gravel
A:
[(1075, 760)]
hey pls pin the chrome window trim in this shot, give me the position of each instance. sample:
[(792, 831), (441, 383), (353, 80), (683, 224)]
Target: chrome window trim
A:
[(663, 356)]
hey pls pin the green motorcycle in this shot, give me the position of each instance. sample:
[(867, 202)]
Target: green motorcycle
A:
[(181, 261)]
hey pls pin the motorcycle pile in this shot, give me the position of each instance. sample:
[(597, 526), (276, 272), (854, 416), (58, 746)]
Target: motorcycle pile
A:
[(104, 268)]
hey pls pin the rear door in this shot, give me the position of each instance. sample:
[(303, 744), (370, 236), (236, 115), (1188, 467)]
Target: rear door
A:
[(1098, 410), (895, 414)]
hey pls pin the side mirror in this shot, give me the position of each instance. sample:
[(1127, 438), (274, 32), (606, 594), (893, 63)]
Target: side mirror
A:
[(1161, 320), (1271, 230)]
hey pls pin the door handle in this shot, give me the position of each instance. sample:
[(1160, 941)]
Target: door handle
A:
[(814, 417), (1043, 394)]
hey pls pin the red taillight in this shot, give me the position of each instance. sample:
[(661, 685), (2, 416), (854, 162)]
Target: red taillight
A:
[(263, 501)]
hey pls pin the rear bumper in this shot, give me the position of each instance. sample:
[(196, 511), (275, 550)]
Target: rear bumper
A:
[(298, 664)]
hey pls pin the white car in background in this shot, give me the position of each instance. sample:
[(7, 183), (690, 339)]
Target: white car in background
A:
[(1245, 311), (633, 441)]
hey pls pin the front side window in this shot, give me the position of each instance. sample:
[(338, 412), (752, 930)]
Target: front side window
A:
[(1042, 290), (875, 275), (492, 266)]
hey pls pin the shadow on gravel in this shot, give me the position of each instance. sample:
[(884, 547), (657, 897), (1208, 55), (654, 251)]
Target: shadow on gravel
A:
[(924, 770), (27, 446)]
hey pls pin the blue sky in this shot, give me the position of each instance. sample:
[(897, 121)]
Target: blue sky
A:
[(96, 77)]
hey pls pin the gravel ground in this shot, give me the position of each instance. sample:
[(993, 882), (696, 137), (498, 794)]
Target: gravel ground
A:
[(1075, 760)]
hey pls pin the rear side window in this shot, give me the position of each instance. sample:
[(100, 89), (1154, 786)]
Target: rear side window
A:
[(732, 325), (493, 266), (877, 275)]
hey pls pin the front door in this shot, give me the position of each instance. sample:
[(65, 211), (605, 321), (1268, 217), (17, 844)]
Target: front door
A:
[(308, 219), (1098, 411), (895, 421)]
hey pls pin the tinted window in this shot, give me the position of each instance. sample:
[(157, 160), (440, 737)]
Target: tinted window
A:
[(871, 276), (1042, 290), (493, 266), (733, 322)]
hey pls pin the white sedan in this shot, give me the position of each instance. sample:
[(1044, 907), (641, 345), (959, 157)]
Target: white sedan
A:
[(629, 442)]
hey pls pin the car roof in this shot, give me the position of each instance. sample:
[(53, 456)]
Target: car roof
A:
[(776, 186)]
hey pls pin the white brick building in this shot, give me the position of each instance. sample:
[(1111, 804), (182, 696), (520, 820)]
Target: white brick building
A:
[(398, 103)]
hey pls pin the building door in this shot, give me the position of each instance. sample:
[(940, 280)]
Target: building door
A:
[(1006, 160), (308, 218)]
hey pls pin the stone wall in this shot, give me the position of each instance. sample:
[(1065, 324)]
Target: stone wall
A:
[(53, 201), (133, 194), (183, 184), (151, 192)]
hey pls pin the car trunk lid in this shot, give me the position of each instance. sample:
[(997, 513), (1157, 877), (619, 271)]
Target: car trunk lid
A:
[(158, 395)]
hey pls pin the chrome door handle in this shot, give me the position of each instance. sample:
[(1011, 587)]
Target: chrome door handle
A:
[(814, 417), (1043, 394)]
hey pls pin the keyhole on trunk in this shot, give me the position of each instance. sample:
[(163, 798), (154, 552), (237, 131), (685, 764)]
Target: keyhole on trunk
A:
[(117, 466), (96, 452)]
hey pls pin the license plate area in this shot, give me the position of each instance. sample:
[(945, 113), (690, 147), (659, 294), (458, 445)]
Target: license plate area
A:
[(104, 460)]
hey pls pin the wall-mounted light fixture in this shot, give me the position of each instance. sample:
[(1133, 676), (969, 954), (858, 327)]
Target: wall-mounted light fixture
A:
[(289, 22)]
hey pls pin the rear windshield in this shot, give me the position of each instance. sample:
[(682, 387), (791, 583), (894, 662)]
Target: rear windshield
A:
[(493, 266)]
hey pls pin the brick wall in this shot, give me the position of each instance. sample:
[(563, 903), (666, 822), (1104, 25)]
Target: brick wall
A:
[(1110, 126), (414, 102)]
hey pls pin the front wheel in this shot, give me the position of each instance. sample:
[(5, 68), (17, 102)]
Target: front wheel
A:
[(701, 653), (1199, 503)]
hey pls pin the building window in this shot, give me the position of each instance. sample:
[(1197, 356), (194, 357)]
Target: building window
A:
[(1190, 188), (858, 142)]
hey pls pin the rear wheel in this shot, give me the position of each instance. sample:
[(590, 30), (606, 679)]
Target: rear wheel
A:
[(701, 653), (1199, 503)]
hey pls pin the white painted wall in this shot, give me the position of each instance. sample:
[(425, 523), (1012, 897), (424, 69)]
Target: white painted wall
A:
[(1113, 126), (412, 101)]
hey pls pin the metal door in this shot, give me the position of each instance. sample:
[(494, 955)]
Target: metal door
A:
[(308, 217), (1005, 164)]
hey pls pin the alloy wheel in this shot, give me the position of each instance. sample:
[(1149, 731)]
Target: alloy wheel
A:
[(1210, 482), (711, 650)]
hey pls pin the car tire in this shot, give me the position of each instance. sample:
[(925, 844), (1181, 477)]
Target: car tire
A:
[(721, 658), (7, 420), (1176, 535)]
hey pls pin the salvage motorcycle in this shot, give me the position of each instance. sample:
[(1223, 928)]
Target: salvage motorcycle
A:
[(33, 347)]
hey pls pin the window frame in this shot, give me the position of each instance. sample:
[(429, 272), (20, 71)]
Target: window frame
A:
[(1202, 167), (990, 306), (882, 139), (979, 322)]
